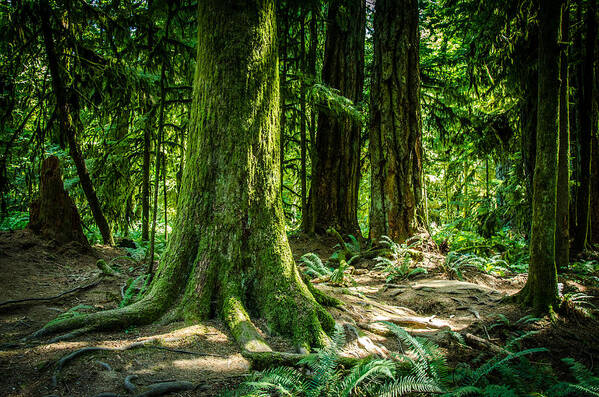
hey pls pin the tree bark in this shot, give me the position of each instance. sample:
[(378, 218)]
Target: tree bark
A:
[(540, 290), (67, 109), (585, 127), (336, 172), (54, 214), (229, 249), (145, 184), (396, 127), (562, 235), (595, 164)]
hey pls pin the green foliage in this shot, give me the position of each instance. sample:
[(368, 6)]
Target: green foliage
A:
[(398, 265), (314, 266), (377, 377), (135, 289), (455, 263), (72, 312), (15, 221)]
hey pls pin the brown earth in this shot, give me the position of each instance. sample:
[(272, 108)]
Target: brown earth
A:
[(205, 354)]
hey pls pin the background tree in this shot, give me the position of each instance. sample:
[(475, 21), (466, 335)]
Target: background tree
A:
[(540, 290), (336, 175), (395, 122)]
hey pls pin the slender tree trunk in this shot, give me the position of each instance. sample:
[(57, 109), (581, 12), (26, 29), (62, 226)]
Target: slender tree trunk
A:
[(395, 130), (310, 210), (595, 164), (68, 114), (585, 125), (302, 68), (562, 235), (229, 249), (540, 290), (157, 155), (336, 173), (165, 193), (145, 184)]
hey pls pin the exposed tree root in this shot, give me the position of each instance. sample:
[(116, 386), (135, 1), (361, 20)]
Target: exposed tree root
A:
[(159, 389), (128, 383), (49, 298), (90, 349), (70, 335), (262, 360)]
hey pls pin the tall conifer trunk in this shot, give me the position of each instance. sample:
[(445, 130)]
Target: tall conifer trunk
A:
[(585, 128), (562, 235), (229, 249), (395, 130), (540, 290), (336, 172)]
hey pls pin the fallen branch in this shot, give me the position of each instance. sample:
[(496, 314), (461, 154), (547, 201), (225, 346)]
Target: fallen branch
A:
[(480, 342), (81, 288)]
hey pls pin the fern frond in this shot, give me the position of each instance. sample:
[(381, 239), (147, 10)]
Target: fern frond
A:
[(362, 372), (408, 384)]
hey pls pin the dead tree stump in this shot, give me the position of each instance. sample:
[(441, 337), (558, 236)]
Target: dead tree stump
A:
[(54, 215)]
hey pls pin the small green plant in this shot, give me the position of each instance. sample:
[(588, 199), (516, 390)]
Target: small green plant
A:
[(135, 289), (398, 265), (314, 266), (420, 370), (579, 301), (455, 263), (72, 312)]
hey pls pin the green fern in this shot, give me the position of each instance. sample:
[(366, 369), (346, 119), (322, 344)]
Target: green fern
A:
[(314, 266)]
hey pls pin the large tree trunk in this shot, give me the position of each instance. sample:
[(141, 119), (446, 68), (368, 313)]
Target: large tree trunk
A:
[(562, 235), (68, 114), (540, 290), (585, 127), (54, 214), (395, 130), (336, 172), (229, 249)]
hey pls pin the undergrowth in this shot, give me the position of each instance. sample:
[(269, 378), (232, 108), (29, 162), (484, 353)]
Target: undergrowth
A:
[(421, 369)]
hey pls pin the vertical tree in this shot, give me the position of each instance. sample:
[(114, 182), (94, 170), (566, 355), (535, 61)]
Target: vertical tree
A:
[(395, 129), (336, 172), (68, 114), (585, 125), (562, 235), (540, 290), (229, 249)]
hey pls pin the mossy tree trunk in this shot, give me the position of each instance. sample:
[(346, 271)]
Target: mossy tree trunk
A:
[(595, 164), (396, 127), (562, 235), (540, 290), (336, 171), (229, 250), (68, 114), (585, 126)]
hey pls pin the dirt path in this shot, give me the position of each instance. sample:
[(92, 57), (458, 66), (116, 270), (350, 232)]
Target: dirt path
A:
[(205, 354)]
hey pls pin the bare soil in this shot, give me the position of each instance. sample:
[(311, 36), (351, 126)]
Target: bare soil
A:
[(205, 354)]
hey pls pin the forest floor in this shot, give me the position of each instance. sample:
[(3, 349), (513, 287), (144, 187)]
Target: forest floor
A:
[(205, 354)]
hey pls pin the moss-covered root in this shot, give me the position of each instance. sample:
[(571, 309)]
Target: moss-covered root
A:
[(321, 297), (143, 312), (526, 298), (242, 328)]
